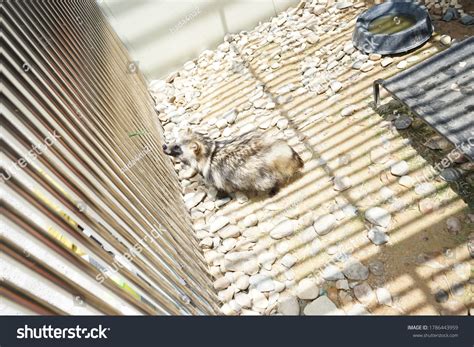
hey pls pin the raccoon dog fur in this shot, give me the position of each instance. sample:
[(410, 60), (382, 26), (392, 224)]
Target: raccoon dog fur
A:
[(252, 162)]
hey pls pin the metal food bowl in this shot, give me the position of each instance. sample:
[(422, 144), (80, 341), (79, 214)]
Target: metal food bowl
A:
[(367, 39)]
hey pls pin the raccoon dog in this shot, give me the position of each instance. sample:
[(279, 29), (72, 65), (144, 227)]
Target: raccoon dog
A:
[(252, 162)]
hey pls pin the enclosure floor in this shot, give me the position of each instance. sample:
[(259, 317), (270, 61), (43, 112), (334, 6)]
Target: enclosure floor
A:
[(423, 269)]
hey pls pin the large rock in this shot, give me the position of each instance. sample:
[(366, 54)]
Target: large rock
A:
[(322, 306), (288, 305)]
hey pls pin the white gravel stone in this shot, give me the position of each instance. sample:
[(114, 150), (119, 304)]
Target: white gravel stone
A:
[(307, 289), (250, 221), (259, 300), (319, 9), (366, 66), (407, 181), (324, 224), (445, 40), (288, 260), (227, 310), (342, 183), (425, 188), (348, 111), (403, 64), (335, 86), (266, 259), (348, 47), (312, 38), (282, 124), (265, 124), (282, 247), (222, 283), (375, 56), (241, 198), (229, 231), (283, 229), (288, 305), (399, 169), (228, 244), (227, 132), (242, 282), (248, 128), (279, 286), (218, 223), (332, 273), (206, 243), (193, 199), (244, 261), (209, 205), (315, 247), (263, 283), (322, 306), (378, 216), (221, 123), (355, 271), (386, 193), (383, 296), (386, 61), (235, 305), (379, 155), (226, 294), (221, 202), (230, 116), (243, 299), (377, 236)]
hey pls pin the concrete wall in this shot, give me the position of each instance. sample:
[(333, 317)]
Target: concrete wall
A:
[(161, 35)]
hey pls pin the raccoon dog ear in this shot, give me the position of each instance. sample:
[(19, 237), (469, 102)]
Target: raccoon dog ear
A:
[(195, 148)]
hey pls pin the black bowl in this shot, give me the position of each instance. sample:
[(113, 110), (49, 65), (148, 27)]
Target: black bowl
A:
[(399, 42)]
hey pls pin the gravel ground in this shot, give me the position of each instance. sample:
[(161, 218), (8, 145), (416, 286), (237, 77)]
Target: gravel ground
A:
[(364, 229)]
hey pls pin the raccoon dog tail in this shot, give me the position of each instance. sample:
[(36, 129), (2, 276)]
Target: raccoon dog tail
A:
[(298, 159)]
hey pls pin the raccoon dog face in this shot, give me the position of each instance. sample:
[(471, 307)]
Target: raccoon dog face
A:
[(189, 148)]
